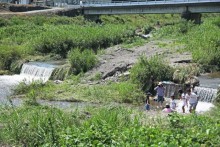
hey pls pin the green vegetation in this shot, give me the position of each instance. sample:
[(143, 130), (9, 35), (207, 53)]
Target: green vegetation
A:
[(147, 70), (122, 124), (202, 40), (105, 126), (183, 73), (25, 37), (82, 61), (123, 92)]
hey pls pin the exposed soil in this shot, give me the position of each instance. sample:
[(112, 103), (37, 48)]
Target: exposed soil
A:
[(117, 60)]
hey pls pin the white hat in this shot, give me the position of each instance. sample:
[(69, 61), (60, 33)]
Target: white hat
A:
[(160, 83)]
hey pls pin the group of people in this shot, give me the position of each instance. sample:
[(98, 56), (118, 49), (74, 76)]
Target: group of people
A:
[(189, 98)]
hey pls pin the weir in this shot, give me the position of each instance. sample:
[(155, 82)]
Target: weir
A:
[(206, 94), (37, 71), (32, 71)]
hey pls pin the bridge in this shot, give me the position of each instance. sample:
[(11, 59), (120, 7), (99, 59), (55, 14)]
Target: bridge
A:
[(190, 9), (153, 6)]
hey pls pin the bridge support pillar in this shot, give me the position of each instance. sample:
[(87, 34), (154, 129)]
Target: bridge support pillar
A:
[(93, 18), (196, 17)]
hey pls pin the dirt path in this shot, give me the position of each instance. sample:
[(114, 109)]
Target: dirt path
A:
[(117, 60)]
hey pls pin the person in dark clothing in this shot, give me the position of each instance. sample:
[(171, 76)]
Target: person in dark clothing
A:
[(147, 101)]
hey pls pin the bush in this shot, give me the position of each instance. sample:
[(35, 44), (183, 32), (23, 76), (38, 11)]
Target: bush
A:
[(146, 70), (81, 61)]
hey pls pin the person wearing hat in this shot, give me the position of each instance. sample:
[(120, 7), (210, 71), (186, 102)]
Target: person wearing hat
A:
[(160, 93)]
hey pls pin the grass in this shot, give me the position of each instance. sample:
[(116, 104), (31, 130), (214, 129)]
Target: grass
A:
[(133, 42), (124, 92), (36, 125), (104, 126), (40, 35)]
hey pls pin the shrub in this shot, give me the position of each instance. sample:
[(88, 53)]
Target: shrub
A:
[(146, 70), (81, 61)]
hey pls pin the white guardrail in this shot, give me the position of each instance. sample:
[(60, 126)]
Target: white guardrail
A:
[(89, 3)]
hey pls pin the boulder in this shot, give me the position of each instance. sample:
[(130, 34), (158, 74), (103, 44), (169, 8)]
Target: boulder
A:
[(192, 80)]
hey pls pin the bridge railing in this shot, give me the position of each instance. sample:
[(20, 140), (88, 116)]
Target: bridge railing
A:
[(137, 2)]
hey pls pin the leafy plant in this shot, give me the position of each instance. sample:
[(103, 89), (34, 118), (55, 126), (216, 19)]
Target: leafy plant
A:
[(81, 61), (144, 69)]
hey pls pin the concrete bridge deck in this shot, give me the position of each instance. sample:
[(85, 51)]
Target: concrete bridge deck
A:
[(151, 7)]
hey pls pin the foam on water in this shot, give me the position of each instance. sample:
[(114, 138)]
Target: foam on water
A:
[(201, 107), (33, 71)]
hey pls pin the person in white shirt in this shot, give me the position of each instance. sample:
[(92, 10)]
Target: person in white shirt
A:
[(192, 98), (173, 102), (194, 91), (183, 98)]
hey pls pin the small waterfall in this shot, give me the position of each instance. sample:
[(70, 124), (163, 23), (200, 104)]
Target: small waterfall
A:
[(30, 72), (206, 94), (171, 88), (37, 71)]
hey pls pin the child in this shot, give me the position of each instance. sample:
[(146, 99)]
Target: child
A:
[(173, 102), (147, 101), (167, 109), (183, 98)]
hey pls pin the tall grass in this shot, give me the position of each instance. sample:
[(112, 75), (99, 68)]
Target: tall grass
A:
[(8, 54), (124, 92), (203, 41), (44, 35), (82, 61), (33, 126), (72, 90), (106, 126)]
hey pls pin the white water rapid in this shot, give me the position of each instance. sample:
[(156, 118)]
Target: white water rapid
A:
[(32, 71)]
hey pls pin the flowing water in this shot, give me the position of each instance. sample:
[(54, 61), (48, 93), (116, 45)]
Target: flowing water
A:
[(208, 82), (207, 91), (33, 71), (30, 72)]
